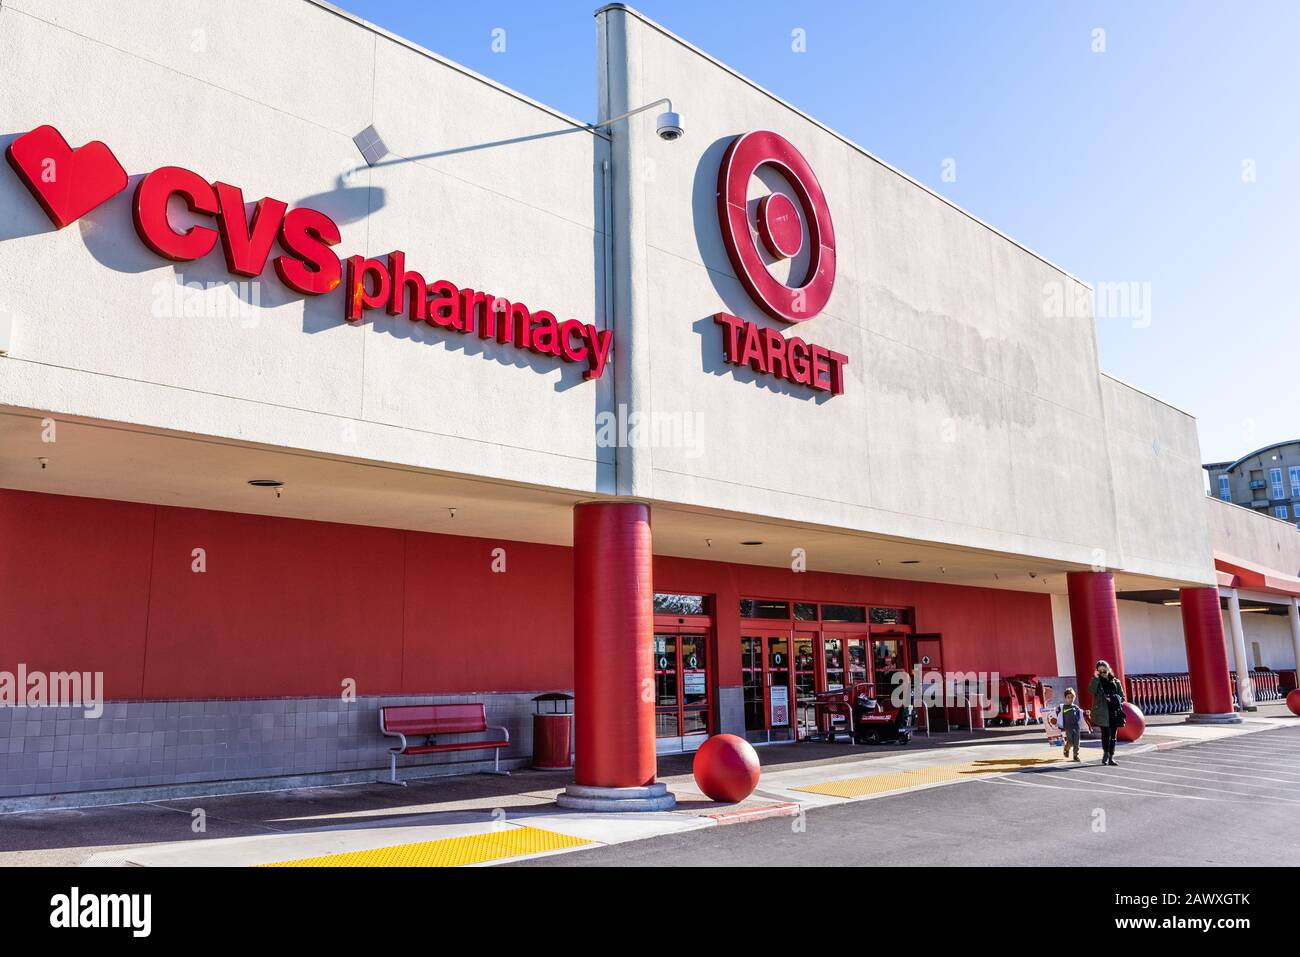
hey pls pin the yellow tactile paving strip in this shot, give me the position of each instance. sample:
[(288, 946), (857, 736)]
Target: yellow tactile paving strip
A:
[(448, 851), (902, 780)]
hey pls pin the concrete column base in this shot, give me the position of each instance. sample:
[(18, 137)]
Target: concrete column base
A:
[(582, 797), (1213, 719)]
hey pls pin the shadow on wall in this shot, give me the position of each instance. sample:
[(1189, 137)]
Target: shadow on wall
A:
[(454, 151), (109, 238), (713, 362), (566, 375), (25, 217)]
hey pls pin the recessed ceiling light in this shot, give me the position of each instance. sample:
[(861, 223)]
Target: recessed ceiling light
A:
[(751, 543), (266, 483)]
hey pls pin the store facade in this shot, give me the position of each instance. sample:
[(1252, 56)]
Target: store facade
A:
[(294, 425)]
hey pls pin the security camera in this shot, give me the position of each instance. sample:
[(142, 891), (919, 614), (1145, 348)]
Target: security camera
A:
[(669, 126)]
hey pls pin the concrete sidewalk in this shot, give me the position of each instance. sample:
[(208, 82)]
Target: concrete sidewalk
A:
[(484, 819)]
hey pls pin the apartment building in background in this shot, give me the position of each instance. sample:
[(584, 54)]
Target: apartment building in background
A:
[(1267, 480)]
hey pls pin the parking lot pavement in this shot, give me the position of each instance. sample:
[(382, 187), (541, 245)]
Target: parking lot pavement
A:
[(1262, 768), (1213, 803)]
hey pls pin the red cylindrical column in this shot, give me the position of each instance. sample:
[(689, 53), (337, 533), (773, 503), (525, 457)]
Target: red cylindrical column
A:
[(1094, 624), (613, 635), (1207, 653)]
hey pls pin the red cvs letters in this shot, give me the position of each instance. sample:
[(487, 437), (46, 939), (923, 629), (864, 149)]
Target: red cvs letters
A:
[(310, 266)]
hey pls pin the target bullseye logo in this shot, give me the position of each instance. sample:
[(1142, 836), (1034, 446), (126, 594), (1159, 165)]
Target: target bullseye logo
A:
[(778, 226)]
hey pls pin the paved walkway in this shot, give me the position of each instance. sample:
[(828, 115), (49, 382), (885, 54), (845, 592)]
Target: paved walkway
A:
[(483, 819)]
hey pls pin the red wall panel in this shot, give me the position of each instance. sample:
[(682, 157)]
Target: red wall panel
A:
[(984, 629), (469, 628), (286, 607), (289, 607), (74, 586)]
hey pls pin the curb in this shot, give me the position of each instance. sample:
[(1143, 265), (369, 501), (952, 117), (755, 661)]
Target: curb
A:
[(762, 812)]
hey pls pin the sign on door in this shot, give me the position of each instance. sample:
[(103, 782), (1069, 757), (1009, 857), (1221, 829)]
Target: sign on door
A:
[(780, 706)]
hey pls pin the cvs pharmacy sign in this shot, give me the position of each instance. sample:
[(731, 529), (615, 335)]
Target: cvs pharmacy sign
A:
[(68, 183)]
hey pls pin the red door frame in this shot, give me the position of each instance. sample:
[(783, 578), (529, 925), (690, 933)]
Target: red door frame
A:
[(679, 625), (818, 632), (913, 656), (750, 628), (817, 669), (890, 633)]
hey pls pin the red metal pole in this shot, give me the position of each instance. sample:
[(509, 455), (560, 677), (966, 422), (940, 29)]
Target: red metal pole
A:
[(1094, 624), (1207, 654), (613, 635)]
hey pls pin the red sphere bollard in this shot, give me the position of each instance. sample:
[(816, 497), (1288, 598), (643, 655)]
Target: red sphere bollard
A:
[(726, 768), (1293, 700), (1135, 722)]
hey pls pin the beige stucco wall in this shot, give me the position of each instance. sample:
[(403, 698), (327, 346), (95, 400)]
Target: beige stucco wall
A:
[(971, 414), (489, 190), (1158, 487), (1254, 536)]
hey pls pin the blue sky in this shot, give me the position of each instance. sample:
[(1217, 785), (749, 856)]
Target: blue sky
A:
[(1170, 161)]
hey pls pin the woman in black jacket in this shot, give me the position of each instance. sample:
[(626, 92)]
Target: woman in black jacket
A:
[(1103, 687)]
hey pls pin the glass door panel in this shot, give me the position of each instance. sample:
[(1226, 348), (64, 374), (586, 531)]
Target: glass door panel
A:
[(666, 686), (833, 654), (858, 670), (694, 650), (765, 675), (751, 679), (805, 685), (778, 681), (695, 670), (695, 721), (888, 660)]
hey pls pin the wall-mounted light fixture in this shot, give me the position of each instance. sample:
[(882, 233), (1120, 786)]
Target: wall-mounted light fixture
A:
[(370, 145)]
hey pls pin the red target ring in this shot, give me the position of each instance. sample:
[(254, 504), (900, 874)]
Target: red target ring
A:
[(778, 227)]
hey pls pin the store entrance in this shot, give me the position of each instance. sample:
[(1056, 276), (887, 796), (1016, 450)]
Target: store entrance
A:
[(836, 660), (926, 652), (782, 673), (889, 662), (896, 656), (682, 680), (801, 649), (765, 680)]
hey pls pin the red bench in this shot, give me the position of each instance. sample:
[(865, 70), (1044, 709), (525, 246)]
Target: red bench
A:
[(432, 720)]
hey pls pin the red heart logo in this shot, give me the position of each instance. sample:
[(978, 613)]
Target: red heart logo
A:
[(67, 183)]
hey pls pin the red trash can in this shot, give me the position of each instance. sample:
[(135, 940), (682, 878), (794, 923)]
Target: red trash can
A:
[(553, 732)]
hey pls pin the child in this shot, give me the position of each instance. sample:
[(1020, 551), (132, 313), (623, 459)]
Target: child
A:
[(1070, 719)]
